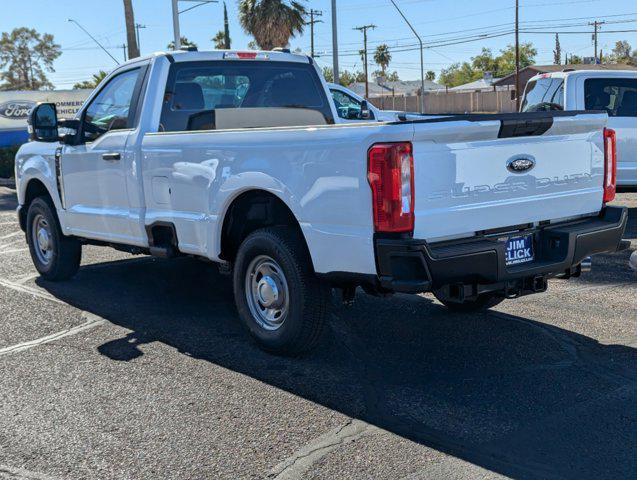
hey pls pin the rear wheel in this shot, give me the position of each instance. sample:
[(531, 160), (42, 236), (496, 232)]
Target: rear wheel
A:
[(55, 256), (484, 301), (279, 298)]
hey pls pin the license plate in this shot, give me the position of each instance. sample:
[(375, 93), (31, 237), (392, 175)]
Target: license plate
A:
[(519, 250)]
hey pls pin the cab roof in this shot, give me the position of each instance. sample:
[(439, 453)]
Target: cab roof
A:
[(237, 55)]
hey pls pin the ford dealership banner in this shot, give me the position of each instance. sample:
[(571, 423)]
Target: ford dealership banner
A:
[(16, 105)]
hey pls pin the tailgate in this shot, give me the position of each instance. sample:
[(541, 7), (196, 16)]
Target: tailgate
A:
[(490, 172)]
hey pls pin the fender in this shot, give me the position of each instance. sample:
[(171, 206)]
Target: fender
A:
[(234, 187), (36, 161)]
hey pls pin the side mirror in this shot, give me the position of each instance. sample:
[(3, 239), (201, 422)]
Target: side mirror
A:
[(366, 113), (43, 123)]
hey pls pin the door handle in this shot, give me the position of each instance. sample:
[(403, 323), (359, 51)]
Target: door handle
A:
[(111, 157)]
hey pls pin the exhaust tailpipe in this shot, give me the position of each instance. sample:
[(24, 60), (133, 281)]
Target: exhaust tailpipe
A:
[(587, 265)]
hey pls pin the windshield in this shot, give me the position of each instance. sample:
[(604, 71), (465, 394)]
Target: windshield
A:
[(543, 95)]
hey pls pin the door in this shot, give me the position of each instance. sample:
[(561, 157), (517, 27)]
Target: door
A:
[(95, 170), (618, 96)]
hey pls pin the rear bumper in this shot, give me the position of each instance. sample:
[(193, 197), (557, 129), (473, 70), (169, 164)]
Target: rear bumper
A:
[(478, 265)]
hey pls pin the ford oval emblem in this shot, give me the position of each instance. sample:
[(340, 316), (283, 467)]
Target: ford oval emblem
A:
[(16, 109), (520, 165)]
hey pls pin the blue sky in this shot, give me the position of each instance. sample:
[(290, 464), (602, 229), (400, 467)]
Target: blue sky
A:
[(442, 21)]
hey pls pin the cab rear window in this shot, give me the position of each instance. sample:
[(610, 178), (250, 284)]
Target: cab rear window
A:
[(199, 94), (544, 95), (617, 96)]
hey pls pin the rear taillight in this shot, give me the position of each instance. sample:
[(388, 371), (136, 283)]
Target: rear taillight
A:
[(610, 165), (390, 172)]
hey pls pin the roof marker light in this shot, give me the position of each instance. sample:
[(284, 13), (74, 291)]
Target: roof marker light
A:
[(246, 55)]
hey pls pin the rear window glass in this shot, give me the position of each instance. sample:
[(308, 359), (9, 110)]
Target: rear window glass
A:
[(617, 96), (544, 95), (195, 90)]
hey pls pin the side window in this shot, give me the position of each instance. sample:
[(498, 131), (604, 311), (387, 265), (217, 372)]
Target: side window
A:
[(617, 96), (544, 95), (347, 107), (111, 108)]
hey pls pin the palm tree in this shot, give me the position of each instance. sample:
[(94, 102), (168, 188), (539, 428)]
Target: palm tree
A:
[(131, 39), (382, 57), (272, 22), (185, 43), (93, 82), (219, 40)]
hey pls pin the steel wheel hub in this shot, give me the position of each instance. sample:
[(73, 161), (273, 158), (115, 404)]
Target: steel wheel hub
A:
[(42, 239), (267, 294)]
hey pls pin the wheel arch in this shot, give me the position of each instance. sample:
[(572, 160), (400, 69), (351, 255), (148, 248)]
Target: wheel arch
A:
[(248, 211), (34, 188)]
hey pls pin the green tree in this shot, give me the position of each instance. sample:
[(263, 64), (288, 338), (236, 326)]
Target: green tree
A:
[(185, 43), (430, 75), (557, 53), (575, 60), (219, 40), (272, 22), (382, 57), (459, 74), (622, 51), (93, 82), (345, 77), (25, 57), (506, 60)]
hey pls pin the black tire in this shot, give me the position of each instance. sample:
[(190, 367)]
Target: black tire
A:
[(65, 252), (308, 298), (483, 302)]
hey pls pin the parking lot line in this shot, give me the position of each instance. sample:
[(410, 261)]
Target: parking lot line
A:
[(11, 473), (302, 460), (29, 290), (15, 250), (91, 322)]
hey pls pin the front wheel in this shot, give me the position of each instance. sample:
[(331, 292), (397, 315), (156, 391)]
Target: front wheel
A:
[(55, 256), (279, 298), (484, 301)]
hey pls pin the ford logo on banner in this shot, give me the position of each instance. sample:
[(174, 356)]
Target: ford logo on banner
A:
[(16, 109), (520, 164)]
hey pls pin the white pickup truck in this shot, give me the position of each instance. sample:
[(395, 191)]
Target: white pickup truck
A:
[(610, 91), (239, 158)]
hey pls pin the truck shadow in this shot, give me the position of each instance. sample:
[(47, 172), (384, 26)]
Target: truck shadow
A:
[(510, 394)]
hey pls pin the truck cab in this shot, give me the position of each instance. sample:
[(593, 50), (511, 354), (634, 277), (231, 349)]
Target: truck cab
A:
[(610, 91)]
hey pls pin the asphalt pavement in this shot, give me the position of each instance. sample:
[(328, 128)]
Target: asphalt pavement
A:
[(139, 369)]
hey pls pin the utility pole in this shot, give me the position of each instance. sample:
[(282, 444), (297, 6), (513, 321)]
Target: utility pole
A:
[(176, 12), (422, 63), (364, 29), (335, 44), (176, 25), (124, 47), (596, 25), (517, 54), (137, 27), (313, 13)]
